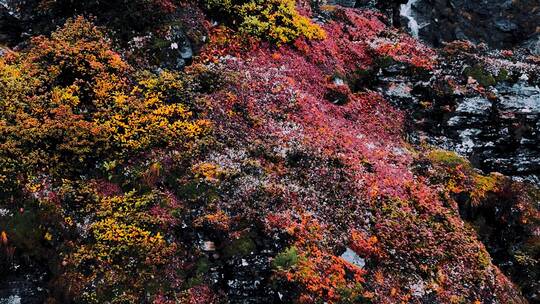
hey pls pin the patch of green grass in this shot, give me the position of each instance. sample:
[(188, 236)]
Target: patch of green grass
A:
[(480, 74), (286, 259), (447, 158), (239, 247)]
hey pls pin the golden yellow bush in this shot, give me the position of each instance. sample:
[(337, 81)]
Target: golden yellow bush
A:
[(69, 102), (276, 20)]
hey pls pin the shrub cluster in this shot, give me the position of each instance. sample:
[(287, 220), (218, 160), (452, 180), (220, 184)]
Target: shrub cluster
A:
[(274, 20), (70, 103)]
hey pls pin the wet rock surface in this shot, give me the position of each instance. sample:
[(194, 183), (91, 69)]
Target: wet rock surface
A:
[(499, 23), (499, 135), (245, 278), (533, 45), (23, 284), (242, 267), (346, 3), (23, 272), (507, 231), (10, 23), (171, 41), (497, 128)]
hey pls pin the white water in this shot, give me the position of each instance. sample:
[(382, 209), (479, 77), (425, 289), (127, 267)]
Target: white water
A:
[(405, 10)]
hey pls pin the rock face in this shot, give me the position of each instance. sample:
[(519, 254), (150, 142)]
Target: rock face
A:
[(499, 23), (500, 135), (346, 3), (10, 23), (533, 45), (497, 128), (22, 281)]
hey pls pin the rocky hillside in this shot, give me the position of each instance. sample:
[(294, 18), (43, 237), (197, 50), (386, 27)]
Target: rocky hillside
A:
[(267, 152)]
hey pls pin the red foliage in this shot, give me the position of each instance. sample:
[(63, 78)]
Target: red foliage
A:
[(364, 246), (201, 294), (106, 188), (407, 50), (281, 101)]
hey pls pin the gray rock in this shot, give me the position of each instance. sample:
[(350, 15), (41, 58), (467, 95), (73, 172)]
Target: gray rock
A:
[(533, 45), (350, 256), (346, 3)]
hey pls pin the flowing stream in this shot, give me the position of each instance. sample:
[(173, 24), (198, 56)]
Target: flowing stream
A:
[(406, 12)]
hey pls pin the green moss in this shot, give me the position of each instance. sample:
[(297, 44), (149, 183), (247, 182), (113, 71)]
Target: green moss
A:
[(202, 267), (286, 259), (480, 74), (195, 190), (161, 43), (24, 233), (239, 247), (353, 295), (195, 281), (385, 61), (503, 75), (447, 158)]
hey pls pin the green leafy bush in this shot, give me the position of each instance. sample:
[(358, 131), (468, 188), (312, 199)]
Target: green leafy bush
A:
[(286, 259)]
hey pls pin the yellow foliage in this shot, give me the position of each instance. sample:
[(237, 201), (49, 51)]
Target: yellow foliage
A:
[(208, 171), (69, 102), (66, 95), (484, 185), (275, 20), (126, 247), (114, 238), (123, 229), (460, 176)]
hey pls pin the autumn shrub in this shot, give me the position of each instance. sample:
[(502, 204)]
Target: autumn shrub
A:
[(459, 177), (126, 249), (316, 272), (286, 259), (493, 207), (364, 246), (275, 20), (70, 103), (79, 126)]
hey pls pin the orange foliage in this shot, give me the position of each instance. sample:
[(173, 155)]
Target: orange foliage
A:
[(4, 238), (320, 273), (364, 246)]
